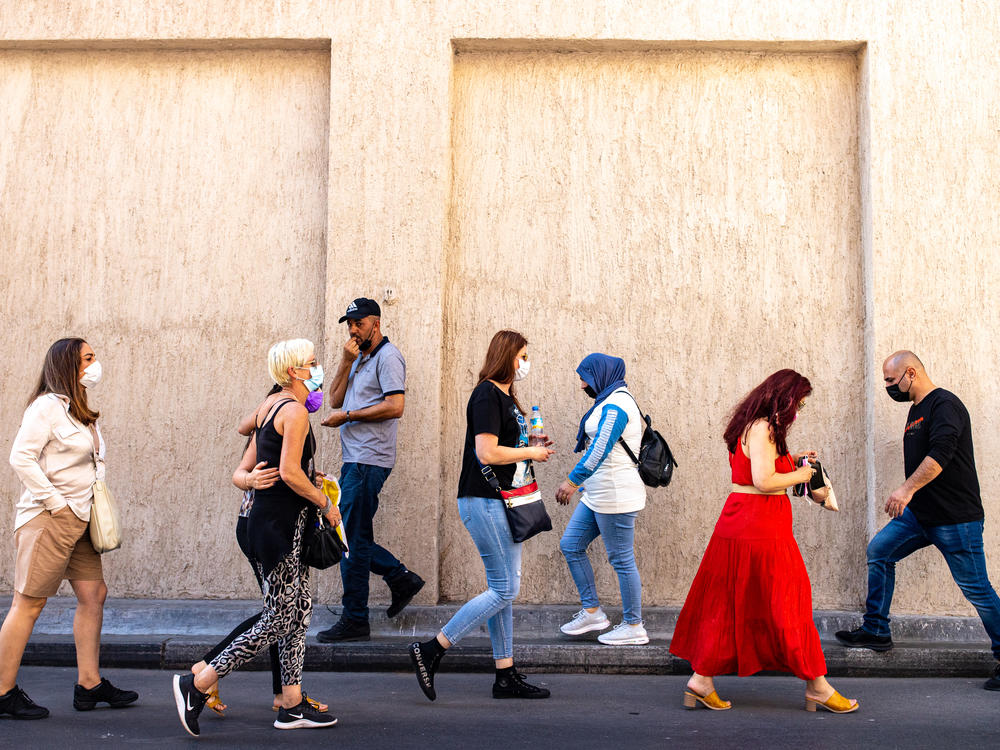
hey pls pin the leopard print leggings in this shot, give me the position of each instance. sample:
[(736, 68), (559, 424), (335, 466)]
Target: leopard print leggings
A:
[(286, 615)]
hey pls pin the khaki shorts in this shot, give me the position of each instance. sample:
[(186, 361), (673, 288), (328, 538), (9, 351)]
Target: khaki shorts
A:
[(51, 548)]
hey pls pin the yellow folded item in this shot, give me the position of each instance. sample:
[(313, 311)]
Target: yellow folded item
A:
[(332, 490)]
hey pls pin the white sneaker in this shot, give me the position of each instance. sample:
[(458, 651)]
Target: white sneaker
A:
[(625, 634), (586, 621)]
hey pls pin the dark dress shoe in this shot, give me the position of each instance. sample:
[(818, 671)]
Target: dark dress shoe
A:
[(994, 682), (345, 630), (861, 638), (105, 692), (404, 587)]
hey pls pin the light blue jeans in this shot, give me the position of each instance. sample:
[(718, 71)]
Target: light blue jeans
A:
[(486, 521), (618, 532)]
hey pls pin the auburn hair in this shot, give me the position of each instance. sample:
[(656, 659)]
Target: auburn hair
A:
[(776, 400), (61, 374), (500, 356)]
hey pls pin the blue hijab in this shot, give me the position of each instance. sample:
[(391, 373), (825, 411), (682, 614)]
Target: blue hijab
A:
[(604, 374)]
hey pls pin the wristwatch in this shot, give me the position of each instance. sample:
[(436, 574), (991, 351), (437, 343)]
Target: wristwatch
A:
[(348, 415)]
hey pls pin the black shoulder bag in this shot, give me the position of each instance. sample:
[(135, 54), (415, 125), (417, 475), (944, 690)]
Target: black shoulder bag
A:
[(526, 514), (655, 461)]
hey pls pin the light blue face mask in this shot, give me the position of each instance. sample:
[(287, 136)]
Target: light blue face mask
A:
[(315, 381)]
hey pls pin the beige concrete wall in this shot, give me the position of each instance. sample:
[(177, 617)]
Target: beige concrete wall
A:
[(625, 202), (146, 191)]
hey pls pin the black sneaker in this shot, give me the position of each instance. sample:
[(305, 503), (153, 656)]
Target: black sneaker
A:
[(345, 630), (511, 684), (861, 638), (403, 587), (190, 700), (994, 682), (18, 705), (303, 716), (105, 692), (424, 665)]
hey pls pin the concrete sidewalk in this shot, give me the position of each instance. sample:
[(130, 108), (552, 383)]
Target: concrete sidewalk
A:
[(172, 634)]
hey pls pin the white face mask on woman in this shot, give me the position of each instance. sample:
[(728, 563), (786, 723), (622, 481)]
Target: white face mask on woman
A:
[(91, 375), (522, 371)]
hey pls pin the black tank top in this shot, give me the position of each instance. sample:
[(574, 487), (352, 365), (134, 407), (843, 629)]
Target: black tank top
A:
[(277, 510)]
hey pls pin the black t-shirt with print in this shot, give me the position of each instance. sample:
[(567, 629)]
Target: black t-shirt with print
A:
[(939, 427), (492, 411)]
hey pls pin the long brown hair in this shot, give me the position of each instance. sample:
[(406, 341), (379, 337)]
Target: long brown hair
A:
[(61, 374), (776, 400), (499, 363)]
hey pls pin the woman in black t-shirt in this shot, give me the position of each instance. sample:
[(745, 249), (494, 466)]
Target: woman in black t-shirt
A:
[(496, 435)]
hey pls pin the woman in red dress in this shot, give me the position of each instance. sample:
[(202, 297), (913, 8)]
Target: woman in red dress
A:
[(750, 605)]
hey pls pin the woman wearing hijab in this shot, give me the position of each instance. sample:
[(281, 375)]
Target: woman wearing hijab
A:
[(612, 494)]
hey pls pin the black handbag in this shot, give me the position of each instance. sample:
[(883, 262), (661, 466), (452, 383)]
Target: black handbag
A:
[(526, 514), (655, 461), (324, 548)]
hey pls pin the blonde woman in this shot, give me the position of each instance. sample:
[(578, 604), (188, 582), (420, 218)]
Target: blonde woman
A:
[(54, 457), (277, 529)]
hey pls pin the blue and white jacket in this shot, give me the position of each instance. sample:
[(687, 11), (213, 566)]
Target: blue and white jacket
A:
[(608, 478)]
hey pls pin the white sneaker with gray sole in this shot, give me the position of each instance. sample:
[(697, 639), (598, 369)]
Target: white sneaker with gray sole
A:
[(625, 634), (585, 621)]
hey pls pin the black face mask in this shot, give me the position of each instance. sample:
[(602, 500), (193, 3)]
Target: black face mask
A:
[(367, 343), (590, 392), (896, 394)]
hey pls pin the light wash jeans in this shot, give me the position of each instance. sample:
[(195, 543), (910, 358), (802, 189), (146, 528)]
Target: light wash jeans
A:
[(486, 521), (618, 532)]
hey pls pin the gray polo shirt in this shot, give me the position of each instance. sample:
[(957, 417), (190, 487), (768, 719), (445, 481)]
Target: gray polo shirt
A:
[(373, 376)]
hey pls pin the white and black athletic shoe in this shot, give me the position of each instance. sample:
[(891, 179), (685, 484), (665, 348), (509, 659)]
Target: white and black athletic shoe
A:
[(303, 716), (190, 700)]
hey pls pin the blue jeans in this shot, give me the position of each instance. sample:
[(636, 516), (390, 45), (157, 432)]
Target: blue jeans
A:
[(962, 547), (618, 532), (486, 521), (359, 488)]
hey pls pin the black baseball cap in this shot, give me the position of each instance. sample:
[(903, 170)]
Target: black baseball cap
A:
[(360, 308)]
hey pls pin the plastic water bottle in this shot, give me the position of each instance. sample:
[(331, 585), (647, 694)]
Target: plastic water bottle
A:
[(536, 436)]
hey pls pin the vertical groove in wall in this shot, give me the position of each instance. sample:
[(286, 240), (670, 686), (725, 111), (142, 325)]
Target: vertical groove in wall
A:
[(868, 281), (447, 252)]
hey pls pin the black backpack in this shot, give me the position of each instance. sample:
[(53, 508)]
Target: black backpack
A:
[(655, 462)]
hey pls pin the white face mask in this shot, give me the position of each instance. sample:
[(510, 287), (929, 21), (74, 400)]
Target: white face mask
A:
[(524, 366), (91, 375)]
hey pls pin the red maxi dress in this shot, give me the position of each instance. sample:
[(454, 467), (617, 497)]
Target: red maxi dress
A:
[(750, 605)]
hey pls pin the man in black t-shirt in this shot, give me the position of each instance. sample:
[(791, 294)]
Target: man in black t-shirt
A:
[(939, 504)]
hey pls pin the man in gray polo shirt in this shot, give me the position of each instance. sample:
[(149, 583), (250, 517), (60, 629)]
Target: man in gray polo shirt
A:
[(367, 394)]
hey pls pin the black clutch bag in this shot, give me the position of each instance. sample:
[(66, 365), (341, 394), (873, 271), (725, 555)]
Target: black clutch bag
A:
[(324, 548)]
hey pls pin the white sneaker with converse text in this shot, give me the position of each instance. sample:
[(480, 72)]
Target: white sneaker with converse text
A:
[(585, 621), (625, 634)]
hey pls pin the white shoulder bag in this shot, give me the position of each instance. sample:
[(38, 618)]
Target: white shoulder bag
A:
[(105, 524)]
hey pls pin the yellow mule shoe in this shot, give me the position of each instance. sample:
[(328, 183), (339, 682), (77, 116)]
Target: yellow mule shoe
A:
[(836, 704), (712, 701)]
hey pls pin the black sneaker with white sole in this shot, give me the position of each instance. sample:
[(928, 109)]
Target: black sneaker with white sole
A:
[(190, 700), (303, 716)]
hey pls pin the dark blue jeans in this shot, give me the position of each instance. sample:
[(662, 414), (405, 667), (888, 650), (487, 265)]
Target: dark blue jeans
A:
[(962, 547), (359, 488)]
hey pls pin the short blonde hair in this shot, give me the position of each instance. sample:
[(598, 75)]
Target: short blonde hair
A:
[(285, 354)]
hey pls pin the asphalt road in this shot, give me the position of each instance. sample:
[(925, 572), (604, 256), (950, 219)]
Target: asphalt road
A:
[(609, 712)]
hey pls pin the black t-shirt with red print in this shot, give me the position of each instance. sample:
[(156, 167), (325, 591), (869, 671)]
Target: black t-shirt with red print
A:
[(939, 427)]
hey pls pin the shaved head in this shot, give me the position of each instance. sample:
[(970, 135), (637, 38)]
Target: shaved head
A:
[(902, 360)]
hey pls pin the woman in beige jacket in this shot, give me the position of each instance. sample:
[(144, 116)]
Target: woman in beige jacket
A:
[(55, 456)]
